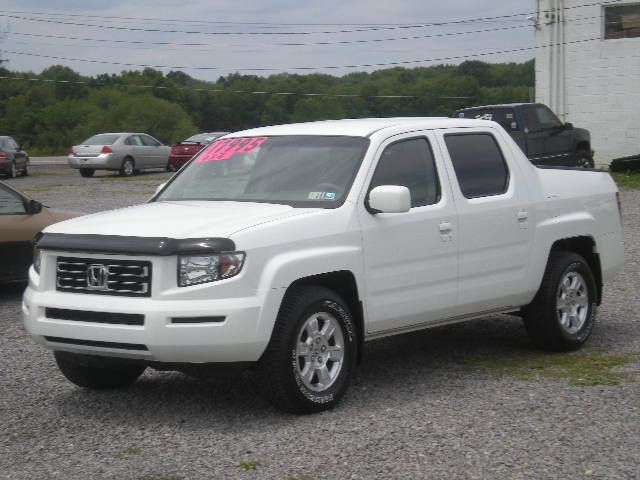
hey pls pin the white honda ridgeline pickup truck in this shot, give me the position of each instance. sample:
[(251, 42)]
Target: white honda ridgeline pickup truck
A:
[(285, 248)]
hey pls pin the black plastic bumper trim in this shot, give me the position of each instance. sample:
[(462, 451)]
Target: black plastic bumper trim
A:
[(187, 320), (95, 317), (95, 343), (157, 246)]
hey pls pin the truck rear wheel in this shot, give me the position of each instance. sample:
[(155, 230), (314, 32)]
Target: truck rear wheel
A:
[(584, 159), (98, 375), (310, 358), (562, 314)]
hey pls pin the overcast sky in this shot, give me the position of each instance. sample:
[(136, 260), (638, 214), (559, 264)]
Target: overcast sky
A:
[(251, 37)]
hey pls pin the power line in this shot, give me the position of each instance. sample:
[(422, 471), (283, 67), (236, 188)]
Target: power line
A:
[(272, 24), (325, 67), (215, 90), (289, 44), (7, 14)]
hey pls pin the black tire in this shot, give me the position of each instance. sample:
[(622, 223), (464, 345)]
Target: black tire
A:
[(280, 365), (87, 172), (171, 167), (128, 167), (546, 324), (583, 159), (13, 173), (25, 169), (97, 374)]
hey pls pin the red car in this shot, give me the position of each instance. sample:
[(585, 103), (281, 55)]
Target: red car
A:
[(183, 151)]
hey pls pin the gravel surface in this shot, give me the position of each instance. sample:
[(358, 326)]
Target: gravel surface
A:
[(468, 401)]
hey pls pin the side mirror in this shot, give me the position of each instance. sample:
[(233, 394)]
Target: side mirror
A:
[(390, 199), (34, 207), (568, 126)]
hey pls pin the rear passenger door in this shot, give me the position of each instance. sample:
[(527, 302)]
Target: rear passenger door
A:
[(410, 258), (494, 224)]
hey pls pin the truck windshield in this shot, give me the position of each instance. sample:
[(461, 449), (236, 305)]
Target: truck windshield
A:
[(297, 170)]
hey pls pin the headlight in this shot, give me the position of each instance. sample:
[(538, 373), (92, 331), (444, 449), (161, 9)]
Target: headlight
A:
[(195, 269), (37, 259)]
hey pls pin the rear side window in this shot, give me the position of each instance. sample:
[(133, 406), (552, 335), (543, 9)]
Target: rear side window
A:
[(478, 163), (409, 163)]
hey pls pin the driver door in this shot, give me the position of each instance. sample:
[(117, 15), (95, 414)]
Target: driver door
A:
[(411, 259)]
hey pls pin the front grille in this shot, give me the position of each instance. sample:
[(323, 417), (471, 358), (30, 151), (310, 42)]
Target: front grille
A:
[(131, 278), (95, 343), (95, 317)]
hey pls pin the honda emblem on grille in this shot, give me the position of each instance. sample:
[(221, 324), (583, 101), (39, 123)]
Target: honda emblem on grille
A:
[(97, 277)]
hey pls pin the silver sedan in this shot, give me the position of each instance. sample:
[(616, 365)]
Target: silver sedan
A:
[(124, 152)]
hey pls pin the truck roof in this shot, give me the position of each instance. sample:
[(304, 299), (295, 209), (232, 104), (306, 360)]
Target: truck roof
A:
[(498, 105), (362, 127)]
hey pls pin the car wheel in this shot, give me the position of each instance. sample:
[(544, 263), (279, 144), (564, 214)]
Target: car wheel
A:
[(87, 172), (13, 172), (25, 169), (308, 363), (583, 159), (563, 312), (99, 376), (171, 167), (127, 169)]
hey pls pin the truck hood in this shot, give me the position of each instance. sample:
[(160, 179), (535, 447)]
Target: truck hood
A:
[(185, 219)]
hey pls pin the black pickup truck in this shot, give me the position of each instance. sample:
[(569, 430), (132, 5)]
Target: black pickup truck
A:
[(539, 133)]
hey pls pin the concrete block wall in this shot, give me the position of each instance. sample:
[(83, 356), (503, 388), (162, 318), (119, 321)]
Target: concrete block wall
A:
[(601, 90)]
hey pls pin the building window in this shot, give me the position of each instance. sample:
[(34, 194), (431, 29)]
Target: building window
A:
[(622, 21)]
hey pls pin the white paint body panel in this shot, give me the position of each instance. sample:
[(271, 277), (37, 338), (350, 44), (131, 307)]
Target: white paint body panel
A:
[(410, 272)]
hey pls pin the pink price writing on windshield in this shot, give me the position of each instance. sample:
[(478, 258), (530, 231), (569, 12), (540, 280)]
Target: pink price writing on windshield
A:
[(225, 148)]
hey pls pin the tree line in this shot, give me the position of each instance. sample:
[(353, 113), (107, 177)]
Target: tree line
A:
[(50, 111)]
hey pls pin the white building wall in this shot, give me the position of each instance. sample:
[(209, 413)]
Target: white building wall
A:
[(589, 81)]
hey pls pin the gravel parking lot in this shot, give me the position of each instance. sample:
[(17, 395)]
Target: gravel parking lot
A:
[(473, 400)]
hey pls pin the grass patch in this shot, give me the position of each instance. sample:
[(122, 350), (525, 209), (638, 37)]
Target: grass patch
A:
[(42, 188), (161, 477), (627, 180), (249, 464), (129, 452), (580, 370)]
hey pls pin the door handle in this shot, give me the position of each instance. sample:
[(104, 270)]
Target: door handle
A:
[(446, 227), (522, 216)]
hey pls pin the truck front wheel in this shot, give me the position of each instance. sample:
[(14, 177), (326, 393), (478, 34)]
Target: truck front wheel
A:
[(562, 314), (98, 375), (310, 358)]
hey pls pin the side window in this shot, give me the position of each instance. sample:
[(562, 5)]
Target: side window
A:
[(149, 141), (134, 140), (12, 144), (546, 117), (11, 203), (409, 163), (530, 118), (478, 163)]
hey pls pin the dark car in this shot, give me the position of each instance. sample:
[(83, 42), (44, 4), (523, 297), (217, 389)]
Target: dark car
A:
[(184, 151), (541, 135), (21, 218), (13, 158)]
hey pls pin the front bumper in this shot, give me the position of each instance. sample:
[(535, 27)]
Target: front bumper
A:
[(232, 340), (231, 331), (104, 161)]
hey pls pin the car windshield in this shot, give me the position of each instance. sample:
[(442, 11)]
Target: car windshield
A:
[(203, 138), (101, 139), (300, 170)]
